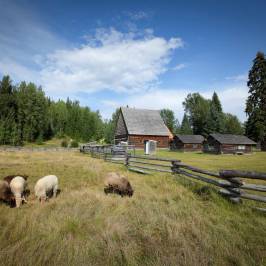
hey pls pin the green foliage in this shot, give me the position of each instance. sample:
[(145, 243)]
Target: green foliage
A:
[(64, 143), (197, 109), (26, 114), (232, 125), (109, 127), (215, 118), (256, 102), (169, 119), (74, 144), (185, 126)]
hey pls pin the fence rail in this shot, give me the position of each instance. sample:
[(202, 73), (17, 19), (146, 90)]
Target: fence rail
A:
[(229, 182)]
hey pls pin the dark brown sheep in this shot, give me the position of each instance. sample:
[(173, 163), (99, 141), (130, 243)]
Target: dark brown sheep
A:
[(5, 192), (114, 183)]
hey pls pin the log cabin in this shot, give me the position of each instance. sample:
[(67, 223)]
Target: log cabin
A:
[(136, 126), (228, 144), (187, 143)]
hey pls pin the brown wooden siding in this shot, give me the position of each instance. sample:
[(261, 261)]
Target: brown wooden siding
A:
[(138, 140), (121, 129)]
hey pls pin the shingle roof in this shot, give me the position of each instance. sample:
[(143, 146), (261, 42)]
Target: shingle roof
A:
[(233, 139), (144, 122), (194, 139)]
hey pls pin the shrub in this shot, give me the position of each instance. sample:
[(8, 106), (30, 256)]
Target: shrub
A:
[(39, 140), (74, 144), (64, 143)]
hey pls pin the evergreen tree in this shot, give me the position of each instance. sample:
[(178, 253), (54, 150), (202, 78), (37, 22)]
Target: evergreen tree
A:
[(256, 102), (215, 118), (8, 109), (185, 126)]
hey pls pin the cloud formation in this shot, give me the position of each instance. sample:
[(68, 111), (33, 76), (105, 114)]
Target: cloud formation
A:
[(111, 60)]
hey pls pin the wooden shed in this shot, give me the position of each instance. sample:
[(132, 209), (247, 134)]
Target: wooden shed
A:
[(187, 143), (136, 126), (228, 144)]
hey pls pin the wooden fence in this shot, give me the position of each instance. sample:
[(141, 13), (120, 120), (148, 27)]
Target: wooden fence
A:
[(229, 182)]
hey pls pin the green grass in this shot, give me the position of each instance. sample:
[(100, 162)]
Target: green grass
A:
[(252, 162), (168, 221)]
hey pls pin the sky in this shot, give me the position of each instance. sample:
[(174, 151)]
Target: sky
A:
[(144, 54)]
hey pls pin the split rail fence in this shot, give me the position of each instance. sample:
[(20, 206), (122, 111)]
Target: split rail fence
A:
[(231, 183)]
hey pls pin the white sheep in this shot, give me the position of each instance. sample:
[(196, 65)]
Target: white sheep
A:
[(46, 185), (17, 186)]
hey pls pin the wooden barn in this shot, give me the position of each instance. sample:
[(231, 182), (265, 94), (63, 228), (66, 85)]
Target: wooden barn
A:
[(187, 143), (227, 143), (136, 126)]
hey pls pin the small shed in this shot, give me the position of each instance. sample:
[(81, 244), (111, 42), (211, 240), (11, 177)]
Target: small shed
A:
[(228, 144), (187, 143), (137, 126)]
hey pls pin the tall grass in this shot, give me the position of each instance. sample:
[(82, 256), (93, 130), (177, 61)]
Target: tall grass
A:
[(166, 222)]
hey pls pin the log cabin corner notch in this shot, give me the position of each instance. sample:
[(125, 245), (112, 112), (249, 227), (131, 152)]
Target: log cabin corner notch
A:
[(138, 125)]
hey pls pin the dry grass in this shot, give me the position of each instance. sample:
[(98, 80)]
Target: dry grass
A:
[(164, 223)]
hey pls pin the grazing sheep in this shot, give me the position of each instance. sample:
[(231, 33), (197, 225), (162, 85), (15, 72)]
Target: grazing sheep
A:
[(5, 192), (46, 185), (10, 177), (17, 186), (114, 183)]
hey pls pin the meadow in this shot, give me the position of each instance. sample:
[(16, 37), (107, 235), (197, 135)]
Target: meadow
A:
[(168, 221)]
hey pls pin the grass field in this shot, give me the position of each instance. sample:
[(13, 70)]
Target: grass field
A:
[(167, 221)]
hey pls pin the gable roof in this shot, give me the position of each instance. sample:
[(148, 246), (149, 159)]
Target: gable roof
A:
[(144, 122), (233, 139), (194, 139)]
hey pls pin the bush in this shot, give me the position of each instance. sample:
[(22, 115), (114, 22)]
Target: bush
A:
[(39, 140), (64, 143), (74, 144)]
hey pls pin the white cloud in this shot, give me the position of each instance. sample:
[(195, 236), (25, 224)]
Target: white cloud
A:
[(112, 60), (233, 100), (241, 77), (179, 67)]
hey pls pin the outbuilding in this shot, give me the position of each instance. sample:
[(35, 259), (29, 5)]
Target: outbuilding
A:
[(228, 144), (187, 143), (136, 126)]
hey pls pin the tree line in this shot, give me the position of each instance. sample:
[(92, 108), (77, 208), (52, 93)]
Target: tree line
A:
[(203, 116), (27, 114)]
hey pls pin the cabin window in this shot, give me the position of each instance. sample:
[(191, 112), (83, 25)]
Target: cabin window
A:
[(241, 147), (195, 146)]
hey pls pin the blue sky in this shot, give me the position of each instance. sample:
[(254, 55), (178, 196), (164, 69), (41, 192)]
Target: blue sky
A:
[(147, 54)]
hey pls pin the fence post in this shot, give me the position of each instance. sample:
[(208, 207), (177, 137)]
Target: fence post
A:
[(175, 167), (232, 192), (127, 156)]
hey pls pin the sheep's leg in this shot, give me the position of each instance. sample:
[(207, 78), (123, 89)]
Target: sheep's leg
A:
[(55, 191), (18, 201)]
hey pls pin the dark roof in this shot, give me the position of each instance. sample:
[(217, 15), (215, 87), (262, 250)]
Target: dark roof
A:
[(233, 139), (144, 122), (194, 139)]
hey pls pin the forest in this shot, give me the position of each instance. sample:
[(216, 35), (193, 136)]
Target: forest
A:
[(28, 115)]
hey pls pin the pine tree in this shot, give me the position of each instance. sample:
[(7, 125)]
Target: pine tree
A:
[(215, 120), (8, 109), (256, 102), (185, 126)]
